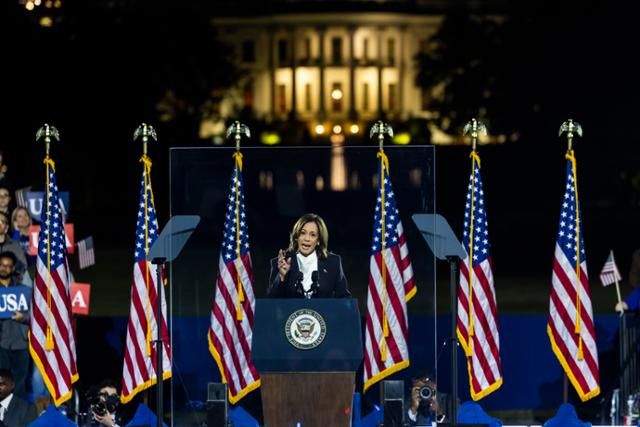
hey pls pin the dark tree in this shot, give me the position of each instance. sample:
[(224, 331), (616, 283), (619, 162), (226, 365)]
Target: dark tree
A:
[(156, 61), (514, 70)]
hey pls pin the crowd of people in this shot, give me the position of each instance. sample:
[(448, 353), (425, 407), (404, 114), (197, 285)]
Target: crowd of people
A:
[(18, 376), (23, 394)]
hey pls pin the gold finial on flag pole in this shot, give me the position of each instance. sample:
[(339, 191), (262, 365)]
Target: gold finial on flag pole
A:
[(145, 132), (238, 130), (475, 128), (47, 132), (571, 128), (381, 129)]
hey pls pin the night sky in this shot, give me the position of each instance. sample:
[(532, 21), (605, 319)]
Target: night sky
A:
[(96, 73), (99, 71)]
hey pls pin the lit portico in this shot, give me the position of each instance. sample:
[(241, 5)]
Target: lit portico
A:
[(328, 68)]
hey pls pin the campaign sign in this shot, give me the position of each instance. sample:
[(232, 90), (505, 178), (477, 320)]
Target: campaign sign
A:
[(34, 203), (12, 299), (35, 231), (80, 295)]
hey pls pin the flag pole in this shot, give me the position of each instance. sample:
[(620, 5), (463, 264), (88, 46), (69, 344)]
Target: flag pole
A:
[(379, 129), (47, 132), (474, 128), (238, 129), (145, 132), (570, 128), (616, 278)]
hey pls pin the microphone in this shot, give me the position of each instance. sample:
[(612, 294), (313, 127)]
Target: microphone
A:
[(315, 288), (299, 288)]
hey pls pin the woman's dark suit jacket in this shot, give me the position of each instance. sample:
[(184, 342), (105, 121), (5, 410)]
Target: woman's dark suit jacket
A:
[(331, 280)]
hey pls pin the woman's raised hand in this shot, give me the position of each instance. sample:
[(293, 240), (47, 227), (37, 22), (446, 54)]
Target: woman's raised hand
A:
[(284, 265)]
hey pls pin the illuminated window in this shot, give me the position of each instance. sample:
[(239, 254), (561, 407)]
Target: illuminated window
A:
[(336, 97)]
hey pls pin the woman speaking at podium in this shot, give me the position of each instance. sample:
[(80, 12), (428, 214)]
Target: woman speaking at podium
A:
[(307, 269)]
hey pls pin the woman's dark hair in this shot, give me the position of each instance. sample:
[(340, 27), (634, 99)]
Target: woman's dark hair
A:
[(423, 375), (107, 383), (323, 234)]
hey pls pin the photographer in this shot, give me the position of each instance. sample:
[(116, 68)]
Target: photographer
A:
[(426, 406), (103, 402)]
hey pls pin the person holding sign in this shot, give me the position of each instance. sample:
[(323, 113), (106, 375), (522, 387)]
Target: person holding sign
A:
[(9, 245), (14, 323), (632, 301)]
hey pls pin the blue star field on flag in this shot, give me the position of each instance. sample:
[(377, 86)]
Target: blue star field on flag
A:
[(391, 217), (229, 242), (52, 223), (150, 223), (567, 230), (475, 196)]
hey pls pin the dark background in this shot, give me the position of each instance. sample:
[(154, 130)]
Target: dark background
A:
[(104, 66), (101, 69)]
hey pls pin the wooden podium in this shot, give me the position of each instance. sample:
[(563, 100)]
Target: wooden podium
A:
[(307, 352)]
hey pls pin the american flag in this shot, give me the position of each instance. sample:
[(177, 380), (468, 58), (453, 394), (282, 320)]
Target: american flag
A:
[(478, 327), (21, 199), (610, 273), (391, 285), (231, 330), (570, 323), (139, 371), (86, 255), (51, 331)]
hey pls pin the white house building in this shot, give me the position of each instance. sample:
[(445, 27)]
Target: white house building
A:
[(327, 69)]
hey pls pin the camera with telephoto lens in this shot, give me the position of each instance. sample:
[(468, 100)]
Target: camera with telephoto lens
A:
[(426, 392), (106, 405)]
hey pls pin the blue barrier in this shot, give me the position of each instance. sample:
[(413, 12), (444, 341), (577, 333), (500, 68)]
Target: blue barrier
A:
[(532, 375)]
